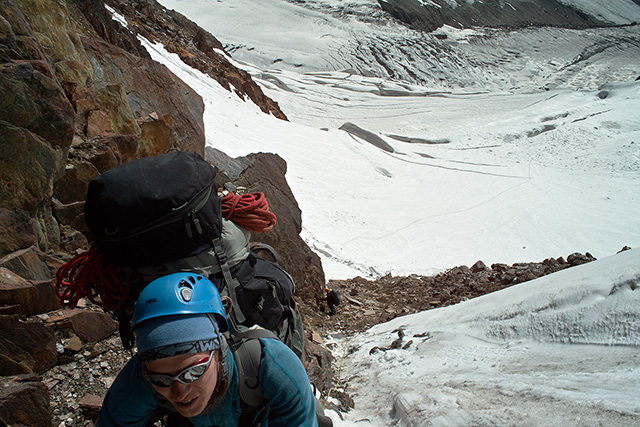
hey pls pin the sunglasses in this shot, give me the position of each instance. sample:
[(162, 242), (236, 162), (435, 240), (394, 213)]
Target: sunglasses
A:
[(186, 376)]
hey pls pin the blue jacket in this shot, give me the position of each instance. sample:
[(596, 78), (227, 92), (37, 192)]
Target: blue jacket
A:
[(131, 400)]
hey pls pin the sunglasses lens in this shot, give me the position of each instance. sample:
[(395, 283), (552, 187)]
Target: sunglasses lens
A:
[(187, 376), (160, 380), (192, 374)]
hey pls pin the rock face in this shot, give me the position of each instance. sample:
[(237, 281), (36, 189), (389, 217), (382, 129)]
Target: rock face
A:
[(81, 95), (195, 46), (429, 16), (71, 85), (266, 173)]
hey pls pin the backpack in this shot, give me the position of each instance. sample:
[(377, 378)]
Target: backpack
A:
[(154, 209), (159, 215)]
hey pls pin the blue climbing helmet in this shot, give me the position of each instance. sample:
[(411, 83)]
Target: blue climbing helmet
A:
[(180, 294), (176, 314)]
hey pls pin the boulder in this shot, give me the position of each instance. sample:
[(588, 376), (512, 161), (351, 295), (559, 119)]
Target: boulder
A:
[(578, 259), (89, 326), (478, 267), (67, 213), (26, 296), (90, 405), (73, 185), (31, 263), (25, 347), (318, 366), (124, 147), (98, 123), (24, 401), (105, 158)]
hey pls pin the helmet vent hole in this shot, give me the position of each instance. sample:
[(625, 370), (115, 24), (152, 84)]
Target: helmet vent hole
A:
[(184, 284)]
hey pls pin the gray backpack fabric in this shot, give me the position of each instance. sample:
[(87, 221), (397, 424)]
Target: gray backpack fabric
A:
[(235, 245)]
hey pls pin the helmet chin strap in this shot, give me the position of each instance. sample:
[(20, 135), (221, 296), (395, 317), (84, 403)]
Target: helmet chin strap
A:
[(223, 347)]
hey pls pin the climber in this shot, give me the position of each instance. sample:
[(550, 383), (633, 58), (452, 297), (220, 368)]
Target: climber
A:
[(333, 300), (183, 364)]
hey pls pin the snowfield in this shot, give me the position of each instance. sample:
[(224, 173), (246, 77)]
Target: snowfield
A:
[(559, 350)]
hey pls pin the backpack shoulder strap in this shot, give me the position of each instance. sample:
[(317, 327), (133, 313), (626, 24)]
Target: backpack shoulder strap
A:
[(231, 282), (247, 352)]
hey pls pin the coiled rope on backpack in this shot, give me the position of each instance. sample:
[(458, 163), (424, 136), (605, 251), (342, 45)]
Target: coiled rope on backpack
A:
[(90, 275), (249, 211)]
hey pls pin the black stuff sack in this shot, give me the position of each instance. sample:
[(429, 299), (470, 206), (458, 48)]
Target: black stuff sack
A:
[(154, 210)]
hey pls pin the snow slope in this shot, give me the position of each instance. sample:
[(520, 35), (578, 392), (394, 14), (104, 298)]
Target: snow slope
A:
[(559, 350), (502, 177)]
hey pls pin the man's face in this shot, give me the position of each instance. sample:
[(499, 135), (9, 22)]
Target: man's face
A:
[(189, 399)]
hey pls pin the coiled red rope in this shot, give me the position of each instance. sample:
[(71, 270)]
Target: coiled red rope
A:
[(90, 275), (249, 211)]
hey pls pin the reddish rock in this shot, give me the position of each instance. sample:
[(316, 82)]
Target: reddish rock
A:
[(103, 159), (73, 185), (124, 147), (150, 87), (156, 135), (24, 401), (89, 326), (98, 123), (478, 267), (91, 405), (27, 297), (266, 173), (197, 48), (25, 347), (30, 263)]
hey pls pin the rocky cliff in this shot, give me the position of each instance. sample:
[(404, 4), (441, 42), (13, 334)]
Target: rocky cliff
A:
[(79, 96), (430, 15)]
